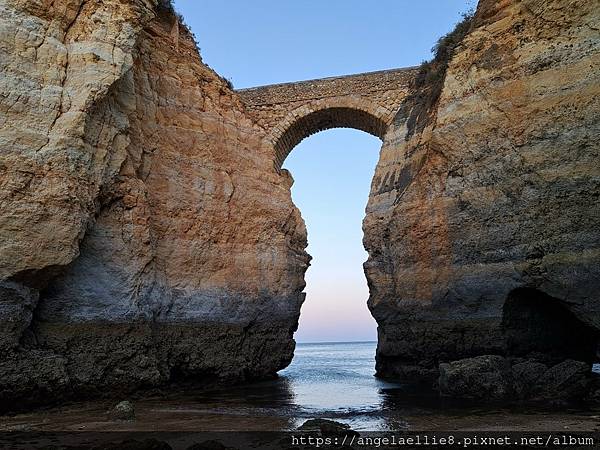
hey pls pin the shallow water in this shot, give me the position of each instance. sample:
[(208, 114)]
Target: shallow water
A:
[(336, 380), (332, 381)]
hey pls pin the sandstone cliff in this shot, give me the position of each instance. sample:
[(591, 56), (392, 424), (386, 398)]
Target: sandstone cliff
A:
[(482, 223), (145, 235)]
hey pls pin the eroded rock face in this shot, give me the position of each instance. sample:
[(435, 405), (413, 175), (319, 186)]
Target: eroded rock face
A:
[(58, 60), (145, 233), (499, 190)]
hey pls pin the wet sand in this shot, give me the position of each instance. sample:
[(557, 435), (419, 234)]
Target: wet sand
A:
[(202, 411)]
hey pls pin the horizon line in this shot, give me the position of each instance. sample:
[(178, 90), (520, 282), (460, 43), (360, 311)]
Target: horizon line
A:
[(336, 342)]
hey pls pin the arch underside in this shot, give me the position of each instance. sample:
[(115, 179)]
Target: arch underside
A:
[(324, 119)]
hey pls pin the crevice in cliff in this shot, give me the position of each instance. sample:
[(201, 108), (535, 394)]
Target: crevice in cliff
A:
[(74, 20), (60, 111)]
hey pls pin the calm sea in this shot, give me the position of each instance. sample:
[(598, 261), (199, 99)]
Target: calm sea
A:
[(336, 380), (325, 380)]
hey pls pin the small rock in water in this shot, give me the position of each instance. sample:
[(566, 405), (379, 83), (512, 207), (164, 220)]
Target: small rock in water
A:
[(123, 411), (326, 427)]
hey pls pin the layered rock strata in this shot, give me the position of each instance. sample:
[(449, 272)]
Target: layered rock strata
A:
[(145, 235), (482, 223)]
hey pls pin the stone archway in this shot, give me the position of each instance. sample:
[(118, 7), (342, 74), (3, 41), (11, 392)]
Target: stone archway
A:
[(289, 112), (323, 115)]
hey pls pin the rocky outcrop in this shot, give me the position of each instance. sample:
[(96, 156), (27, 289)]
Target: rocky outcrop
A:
[(145, 235), (485, 377), (482, 223), (493, 378)]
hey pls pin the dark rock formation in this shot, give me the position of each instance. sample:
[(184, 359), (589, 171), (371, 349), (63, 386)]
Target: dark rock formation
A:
[(568, 380), (498, 379), (327, 427), (525, 376), (487, 377), (123, 411), (537, 325)]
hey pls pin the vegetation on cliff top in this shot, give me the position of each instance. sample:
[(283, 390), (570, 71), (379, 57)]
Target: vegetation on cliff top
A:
[(433, 72), (168, 8), (429, 81)]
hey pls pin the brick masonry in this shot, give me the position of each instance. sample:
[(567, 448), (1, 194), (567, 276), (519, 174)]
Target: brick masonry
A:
[(290, 112)]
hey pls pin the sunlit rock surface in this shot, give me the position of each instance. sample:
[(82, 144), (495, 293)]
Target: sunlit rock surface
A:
[(145, 235), (498, 189)]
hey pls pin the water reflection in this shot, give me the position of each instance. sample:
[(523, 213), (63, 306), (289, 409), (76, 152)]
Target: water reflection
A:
[(333, 381), (336, 381), (324, 381)]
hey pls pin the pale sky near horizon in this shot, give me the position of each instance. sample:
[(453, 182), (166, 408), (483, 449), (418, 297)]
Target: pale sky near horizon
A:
[(273, 41)]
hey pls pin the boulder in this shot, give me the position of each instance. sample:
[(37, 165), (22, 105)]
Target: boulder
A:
[(123, 411), (567, 381), (486, 377), (525, 376)]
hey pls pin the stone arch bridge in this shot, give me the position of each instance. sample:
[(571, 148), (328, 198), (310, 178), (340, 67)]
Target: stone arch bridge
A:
[(290, 112)]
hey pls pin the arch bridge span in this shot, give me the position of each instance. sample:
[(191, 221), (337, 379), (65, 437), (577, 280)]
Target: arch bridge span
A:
[(290, 112)]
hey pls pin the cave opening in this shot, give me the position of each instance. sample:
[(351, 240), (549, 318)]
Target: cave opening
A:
[(539, 326)]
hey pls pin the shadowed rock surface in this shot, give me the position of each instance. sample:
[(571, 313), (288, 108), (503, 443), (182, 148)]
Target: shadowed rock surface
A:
[(493, 378), (486, 377)]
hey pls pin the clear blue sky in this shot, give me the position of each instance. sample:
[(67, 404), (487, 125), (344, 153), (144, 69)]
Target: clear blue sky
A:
[(268, 41)]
